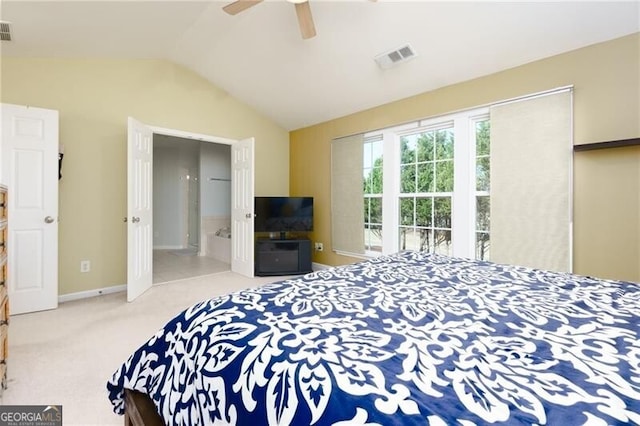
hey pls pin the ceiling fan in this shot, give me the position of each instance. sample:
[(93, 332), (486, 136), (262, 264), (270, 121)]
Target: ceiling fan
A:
[(303, 10)]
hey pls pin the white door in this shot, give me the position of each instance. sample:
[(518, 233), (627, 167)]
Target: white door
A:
[(139, 209), (242, 239), (29, 168)]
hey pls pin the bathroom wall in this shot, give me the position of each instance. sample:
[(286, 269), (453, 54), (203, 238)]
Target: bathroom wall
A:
[(175, 163), (215, 196)]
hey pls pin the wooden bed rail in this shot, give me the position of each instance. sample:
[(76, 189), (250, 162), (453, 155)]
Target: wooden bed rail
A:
[(139, 410)]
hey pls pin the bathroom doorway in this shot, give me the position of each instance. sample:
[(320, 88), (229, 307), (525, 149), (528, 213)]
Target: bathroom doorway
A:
[(191, 208)]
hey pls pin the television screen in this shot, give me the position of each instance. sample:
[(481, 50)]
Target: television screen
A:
[(283, 214)]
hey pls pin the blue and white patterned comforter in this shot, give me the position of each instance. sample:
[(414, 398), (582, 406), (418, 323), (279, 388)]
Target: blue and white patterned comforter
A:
[(411, 338)]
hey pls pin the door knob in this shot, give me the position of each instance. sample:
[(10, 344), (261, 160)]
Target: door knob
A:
[(49, 219), (135, 219)]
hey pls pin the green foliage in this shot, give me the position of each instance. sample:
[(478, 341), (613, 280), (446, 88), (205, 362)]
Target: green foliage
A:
[(426, 169), (444, 176), (444, 144), (372, 181), (425, 172), (482, 155), (483, 183), (483, 137), (482, 225)]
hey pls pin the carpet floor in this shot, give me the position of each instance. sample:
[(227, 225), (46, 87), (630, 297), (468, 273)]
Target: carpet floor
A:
[(65, 356)]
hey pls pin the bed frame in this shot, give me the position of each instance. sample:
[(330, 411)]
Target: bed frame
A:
[(139, 410)]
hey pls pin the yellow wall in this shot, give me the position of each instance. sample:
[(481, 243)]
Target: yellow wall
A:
[(606, 107), (94, 99), (607, 213)]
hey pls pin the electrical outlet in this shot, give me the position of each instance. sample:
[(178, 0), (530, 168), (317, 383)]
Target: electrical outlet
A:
[(85, 266), (319, 246)]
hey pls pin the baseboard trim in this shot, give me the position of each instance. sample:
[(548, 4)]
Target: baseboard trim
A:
[(91, 293), (319, 266), (118, 288)]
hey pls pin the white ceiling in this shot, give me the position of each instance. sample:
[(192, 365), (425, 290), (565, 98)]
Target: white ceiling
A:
[(259, 57)]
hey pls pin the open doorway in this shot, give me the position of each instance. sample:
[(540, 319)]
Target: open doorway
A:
[(140, 209), (191, 208)]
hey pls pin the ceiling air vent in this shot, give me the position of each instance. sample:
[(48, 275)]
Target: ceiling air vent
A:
[(394, 57), (5, 31)]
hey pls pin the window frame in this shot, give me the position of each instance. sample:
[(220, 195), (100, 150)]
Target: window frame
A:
[(367, 196), (463, 196), (478, 193)]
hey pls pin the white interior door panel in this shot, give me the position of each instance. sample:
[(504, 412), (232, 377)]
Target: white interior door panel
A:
[(29, 168)]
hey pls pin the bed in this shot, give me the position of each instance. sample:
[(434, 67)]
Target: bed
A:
[(409, 338)]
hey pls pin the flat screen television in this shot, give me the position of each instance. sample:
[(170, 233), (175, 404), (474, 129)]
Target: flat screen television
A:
[(283, 214)]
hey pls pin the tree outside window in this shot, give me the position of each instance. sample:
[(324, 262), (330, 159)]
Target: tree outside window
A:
[(426, 184), (372, 189), (483, 181), (422, 205)]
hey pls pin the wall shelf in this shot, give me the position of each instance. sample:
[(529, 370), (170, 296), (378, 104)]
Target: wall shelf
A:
[(606, 145)]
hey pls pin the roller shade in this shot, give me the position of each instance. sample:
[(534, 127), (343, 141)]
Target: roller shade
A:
[(347, 199), (531, 154)]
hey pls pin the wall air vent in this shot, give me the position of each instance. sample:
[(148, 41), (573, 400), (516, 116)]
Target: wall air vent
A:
[(394, 57), (5, 31)]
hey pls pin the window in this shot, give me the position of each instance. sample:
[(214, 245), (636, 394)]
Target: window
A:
[(492, 183), (483, 144), (426, 187), (423, 196), (372, 189)]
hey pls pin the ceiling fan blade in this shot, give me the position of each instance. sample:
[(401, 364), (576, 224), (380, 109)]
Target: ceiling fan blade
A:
[(305, 20), (239, 5)]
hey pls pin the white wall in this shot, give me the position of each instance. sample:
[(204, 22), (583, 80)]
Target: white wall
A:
[(215, 199), (215, 195), (172, 159)]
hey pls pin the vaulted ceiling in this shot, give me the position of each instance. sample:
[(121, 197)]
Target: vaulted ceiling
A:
[(259, 57)]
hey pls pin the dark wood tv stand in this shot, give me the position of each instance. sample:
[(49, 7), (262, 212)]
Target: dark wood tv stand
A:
[(282, 256)]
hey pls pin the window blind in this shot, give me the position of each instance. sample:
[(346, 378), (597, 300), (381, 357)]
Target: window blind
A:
[(531, 154), (347, 202)]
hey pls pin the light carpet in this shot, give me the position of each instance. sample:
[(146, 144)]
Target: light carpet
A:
[(65, 356)]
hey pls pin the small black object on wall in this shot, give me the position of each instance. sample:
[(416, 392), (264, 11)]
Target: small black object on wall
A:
[(60, 157)]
